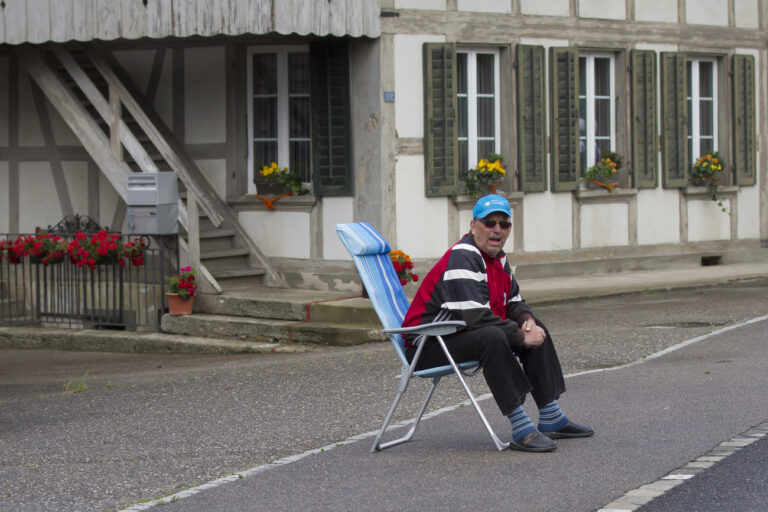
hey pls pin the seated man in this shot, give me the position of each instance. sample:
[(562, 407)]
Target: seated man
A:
[(473, 282)]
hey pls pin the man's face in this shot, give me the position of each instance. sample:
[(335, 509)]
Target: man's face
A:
[(490, 240)]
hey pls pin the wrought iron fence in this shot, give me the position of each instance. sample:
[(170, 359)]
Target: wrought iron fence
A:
[(107, 296)]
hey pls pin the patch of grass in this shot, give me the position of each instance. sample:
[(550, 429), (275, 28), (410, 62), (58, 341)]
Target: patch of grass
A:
[(111, 385), (76, 385)]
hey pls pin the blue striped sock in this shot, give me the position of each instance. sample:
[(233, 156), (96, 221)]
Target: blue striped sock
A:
[(551, 417), (521, 423)]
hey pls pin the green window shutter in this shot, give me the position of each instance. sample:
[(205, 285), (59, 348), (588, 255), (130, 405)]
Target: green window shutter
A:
[(674, 107), (331, 148), (744, 119), (564, 73), (441, 156), (644, 151), (531, 118)]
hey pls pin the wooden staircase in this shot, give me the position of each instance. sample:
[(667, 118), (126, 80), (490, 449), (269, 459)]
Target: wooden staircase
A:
[(123, 134)]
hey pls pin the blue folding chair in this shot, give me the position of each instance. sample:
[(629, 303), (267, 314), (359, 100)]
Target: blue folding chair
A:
[(370, 252)]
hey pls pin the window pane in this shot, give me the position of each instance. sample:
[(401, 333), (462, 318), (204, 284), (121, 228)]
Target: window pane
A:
[(264, 153), (265, 73), (690, 117), (464, 163), (706, 145), (582, 77), (264, 118), (603, 118), (461, 73), (462, 115), (298, 73), (602, 77), (601, 146), (485, 74), (706, 118), (705, 79), (485, 148), (300, 159), (485, 118), (299, 123), (688, 79)]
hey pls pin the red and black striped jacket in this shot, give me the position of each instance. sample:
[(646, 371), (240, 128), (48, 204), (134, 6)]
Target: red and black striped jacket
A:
[(467, 284)]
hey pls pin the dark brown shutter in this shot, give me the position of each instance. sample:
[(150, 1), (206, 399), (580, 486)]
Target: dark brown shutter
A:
[(564, 73), (674, 120), (744, 158), (531, 118), (644, 129), (441, 156), (331, 141)]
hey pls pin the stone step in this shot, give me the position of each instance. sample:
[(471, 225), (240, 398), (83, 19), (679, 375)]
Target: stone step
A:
[(289, 304), (270, 331)]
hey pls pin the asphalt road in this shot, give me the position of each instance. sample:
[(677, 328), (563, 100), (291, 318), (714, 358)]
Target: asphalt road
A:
[(100, 431), (737, 483)]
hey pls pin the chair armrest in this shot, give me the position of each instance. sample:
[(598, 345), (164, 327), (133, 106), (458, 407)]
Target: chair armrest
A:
[(433, 329)]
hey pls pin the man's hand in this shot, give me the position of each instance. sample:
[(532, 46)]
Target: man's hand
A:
[(534, 335)]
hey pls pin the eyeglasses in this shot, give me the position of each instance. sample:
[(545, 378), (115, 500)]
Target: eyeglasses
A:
[(490, 224)]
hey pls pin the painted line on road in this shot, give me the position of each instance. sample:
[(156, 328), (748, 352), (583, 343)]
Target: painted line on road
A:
[(359, 437), (644, 494)]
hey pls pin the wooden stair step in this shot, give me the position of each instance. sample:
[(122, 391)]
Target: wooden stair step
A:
[(217, 233), (225, 253), (238, 273)]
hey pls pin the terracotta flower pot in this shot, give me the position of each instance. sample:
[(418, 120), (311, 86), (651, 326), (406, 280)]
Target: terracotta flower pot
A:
[(178, 306)]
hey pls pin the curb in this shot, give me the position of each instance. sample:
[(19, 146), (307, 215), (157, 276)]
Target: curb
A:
[(134, 342), (636, 498)]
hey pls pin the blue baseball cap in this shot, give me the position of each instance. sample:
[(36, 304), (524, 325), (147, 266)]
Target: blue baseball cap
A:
[(490, 204)]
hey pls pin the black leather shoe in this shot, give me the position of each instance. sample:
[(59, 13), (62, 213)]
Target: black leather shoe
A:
[(533, 442), (570, 429)]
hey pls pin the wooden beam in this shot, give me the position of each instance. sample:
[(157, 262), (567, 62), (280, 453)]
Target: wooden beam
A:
[(76, 117), (13, 145), (109, 112), (164, 142), (59, 180), (155, 74)]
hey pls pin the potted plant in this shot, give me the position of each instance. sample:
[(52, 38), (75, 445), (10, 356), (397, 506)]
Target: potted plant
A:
[(403, 267), (100, 248), (707, 172), (47, 248), (134, 251), (484, 177), (181, 292), (603, 173), (285, 179)]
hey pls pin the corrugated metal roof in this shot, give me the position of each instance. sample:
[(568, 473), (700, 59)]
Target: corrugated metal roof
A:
[(39, 21)]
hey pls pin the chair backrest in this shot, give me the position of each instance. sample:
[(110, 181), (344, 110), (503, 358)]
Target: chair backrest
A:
[(370, 252)]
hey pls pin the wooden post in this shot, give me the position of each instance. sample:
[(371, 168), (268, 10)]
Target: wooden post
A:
[(114, 124), (193, 231)]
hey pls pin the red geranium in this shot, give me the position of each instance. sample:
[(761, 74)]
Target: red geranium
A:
[(403, 267)]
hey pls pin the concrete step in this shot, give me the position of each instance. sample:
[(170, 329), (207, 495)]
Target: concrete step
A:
[(269, 330), (288, 304), (136, 342)]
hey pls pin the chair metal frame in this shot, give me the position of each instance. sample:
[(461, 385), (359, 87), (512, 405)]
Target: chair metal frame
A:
[(388, 307)]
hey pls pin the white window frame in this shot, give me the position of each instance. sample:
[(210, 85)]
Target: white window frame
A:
[(695, 99), (283, 127), (590, 97), (472, 96)]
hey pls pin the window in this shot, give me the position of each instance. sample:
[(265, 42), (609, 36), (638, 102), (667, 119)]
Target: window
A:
[(279, 124), (478, 106), (596, 108), (701, 94)]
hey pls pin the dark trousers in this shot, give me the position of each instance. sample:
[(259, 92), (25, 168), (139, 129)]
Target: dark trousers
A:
[(540, 374)]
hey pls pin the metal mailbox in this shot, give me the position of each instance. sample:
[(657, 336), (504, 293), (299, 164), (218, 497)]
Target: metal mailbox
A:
[(152, 201)]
